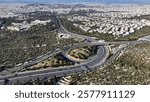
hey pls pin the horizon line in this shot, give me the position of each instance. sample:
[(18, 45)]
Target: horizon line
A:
[(84, 3)]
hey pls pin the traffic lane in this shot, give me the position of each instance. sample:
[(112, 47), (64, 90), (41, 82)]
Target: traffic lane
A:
[(66, 69), (97, 58), (67, 50), (37, 60), (28, 73), (100, 61), (76, 67), (26, 78), (63, 68)]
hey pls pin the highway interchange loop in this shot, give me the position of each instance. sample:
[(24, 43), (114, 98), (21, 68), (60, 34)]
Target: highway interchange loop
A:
[(13, 76)]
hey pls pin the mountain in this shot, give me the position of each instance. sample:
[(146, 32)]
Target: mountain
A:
[(75, 1)]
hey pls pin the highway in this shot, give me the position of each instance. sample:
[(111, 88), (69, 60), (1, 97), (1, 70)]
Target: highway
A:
[(13, 76), (30, 63), (56, 72)]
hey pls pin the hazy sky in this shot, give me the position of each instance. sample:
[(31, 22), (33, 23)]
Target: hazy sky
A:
[(81, 1)]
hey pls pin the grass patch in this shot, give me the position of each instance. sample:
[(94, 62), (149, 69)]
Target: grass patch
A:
[(55, 61), (131, 68), (83, 53)]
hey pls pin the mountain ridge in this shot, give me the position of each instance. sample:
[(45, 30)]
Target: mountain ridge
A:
[(78, 1)]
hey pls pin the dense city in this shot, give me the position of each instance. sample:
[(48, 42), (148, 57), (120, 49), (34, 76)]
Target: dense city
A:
[(74, 44)]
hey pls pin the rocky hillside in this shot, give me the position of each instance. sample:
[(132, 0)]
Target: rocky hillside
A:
[(132, 68)]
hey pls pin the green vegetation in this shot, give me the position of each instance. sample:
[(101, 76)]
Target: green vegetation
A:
[(132, 68), (107, 37), (19, 47), (69, 26), (47, 81), (83, 53), (56, 61), (137, 34)]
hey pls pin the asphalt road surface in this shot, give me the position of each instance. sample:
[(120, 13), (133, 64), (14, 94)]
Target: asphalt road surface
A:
[(8, 77)]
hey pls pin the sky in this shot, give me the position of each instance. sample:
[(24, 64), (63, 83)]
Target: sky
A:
[(78, 1)]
